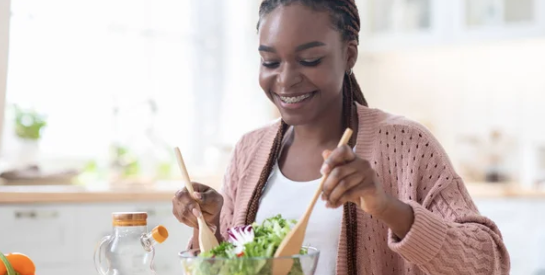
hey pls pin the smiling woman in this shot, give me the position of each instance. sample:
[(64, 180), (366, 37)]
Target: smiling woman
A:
[(392, 203)]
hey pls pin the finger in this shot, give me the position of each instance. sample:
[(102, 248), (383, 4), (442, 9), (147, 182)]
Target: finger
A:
[(199, 199), (180, 193), (190, 222), (209, 217), (180, 211), (212, 227), (199, 187), (325, 154), (190, 216), (343, 186), (333, 179), (351, 195), (177, 205), (196, 212), (186, 200), (339, 156), (176, 209), (188, 210), (210, 201)]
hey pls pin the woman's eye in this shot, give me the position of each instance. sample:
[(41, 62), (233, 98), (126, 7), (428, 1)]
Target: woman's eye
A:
[(270, 64), (311, 63)]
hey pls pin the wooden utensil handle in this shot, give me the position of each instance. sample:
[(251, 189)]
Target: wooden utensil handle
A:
[(183, 170), (346, 137), (201, 222), (344, 140)]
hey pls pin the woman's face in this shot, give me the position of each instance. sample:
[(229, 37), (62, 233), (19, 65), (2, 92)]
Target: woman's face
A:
[(303, 62)]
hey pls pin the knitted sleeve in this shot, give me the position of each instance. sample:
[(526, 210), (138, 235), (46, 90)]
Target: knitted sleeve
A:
[(448, 235)]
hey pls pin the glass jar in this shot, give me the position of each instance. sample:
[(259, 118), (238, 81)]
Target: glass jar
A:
[(130, 249)]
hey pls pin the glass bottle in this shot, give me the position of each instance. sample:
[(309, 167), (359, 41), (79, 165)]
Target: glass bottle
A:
[(130, 249)]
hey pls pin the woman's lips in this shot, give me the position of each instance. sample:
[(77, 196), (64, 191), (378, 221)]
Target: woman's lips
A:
[(295, 102)]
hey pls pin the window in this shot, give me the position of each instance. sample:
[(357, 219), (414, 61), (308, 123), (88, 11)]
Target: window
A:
[(147, 75)]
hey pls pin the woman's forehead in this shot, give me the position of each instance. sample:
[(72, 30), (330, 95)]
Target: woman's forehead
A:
[(293, 25)]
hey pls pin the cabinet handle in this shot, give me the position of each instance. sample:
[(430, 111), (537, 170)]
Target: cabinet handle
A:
[(33, 214)]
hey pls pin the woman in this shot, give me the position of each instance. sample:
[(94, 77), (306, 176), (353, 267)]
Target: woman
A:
[(418, 217)]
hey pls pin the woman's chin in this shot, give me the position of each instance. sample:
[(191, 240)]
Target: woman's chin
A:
[(295, 119)]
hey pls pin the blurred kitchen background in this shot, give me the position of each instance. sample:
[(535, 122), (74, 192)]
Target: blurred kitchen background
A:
[(97, 93)]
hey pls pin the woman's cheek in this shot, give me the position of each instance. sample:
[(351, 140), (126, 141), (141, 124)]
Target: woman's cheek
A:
[(266, 81), (327, 82)]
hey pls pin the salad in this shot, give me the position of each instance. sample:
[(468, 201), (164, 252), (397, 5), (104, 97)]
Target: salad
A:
[(248, 250)]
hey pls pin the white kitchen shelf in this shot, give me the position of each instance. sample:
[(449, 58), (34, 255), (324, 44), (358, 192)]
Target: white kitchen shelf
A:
[(407, 24)]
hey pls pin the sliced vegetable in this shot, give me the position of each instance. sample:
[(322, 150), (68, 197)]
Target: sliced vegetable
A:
[(239, 236)]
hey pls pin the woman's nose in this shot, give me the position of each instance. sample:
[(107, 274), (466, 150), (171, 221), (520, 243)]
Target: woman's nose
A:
[(288, 76)]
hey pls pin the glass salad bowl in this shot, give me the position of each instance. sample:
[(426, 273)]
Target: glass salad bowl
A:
[(192, 264)]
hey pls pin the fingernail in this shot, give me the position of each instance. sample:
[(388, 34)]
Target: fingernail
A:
[(324, 155), (196, 212), (325, 169), (197, 195)]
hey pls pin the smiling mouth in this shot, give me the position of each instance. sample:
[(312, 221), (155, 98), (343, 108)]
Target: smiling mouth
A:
[(295, 99)]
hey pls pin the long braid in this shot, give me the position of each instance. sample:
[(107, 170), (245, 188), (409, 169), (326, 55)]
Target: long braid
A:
[(345, 18), (253, 205), (350, 209)]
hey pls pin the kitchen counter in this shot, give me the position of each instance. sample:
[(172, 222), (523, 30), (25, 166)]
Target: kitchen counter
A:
[(165, 192), (502, 190), (67, 193)]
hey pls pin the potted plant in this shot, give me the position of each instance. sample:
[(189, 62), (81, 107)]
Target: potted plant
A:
[(28, 128)]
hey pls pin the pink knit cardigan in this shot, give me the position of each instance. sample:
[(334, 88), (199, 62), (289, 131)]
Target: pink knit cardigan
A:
[(448, 235)]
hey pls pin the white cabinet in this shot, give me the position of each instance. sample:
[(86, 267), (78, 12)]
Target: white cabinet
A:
[(64, 269), (401, 24), (498, 19), (61, 238), (46, 233), (394, 24)]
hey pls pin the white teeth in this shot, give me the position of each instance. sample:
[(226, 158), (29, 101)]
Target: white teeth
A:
[(295, 99)]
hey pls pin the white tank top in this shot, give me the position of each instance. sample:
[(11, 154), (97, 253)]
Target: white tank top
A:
[(290, 199)]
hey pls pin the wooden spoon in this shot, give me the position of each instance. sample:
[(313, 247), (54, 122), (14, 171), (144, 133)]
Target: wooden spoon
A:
[(292, 243), (207, 239)]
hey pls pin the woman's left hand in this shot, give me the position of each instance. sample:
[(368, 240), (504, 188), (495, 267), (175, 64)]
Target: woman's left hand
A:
[(350, 179)]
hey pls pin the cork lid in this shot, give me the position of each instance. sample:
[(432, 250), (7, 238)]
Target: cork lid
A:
[(129, 218), (159, 233)]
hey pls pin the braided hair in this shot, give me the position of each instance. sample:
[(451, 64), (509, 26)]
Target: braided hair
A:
[(345, 19)]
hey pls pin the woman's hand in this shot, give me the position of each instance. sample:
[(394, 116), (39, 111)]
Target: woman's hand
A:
[(186, 209), (351, 178)]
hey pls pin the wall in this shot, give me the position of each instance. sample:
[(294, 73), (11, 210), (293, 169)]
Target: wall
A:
[(462, 93), (4, 45)]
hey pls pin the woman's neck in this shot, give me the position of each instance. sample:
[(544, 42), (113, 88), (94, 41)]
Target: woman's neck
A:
[(301, 159), (323, 132)]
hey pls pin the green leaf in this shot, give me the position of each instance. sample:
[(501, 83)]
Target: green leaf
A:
[(9, 268), (28, 123), (267, 238)]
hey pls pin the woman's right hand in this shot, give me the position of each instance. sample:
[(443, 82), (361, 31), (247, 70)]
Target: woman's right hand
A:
[(186, 209)]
